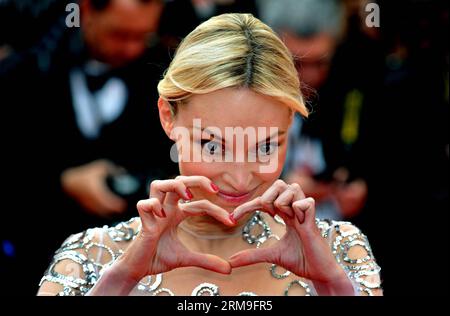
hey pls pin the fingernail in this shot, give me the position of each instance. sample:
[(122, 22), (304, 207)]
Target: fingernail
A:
[(189, 194), (214, 187), (232, 219)]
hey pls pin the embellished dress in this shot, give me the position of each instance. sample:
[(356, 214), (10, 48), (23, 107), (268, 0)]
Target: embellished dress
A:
[(82, 258)]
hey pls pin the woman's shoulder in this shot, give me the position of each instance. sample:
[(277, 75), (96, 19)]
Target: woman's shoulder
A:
[(330, 228), (79, 262), (346, 240), (116, 237), (352, 250)]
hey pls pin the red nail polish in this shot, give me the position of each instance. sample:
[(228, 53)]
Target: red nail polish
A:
[(214, 187), (232, 219), (189, 194)]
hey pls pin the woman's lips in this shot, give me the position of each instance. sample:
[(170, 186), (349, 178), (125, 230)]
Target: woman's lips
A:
[(235, 198)]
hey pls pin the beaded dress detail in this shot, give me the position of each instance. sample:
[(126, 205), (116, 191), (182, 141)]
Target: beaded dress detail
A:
[(81, 259)]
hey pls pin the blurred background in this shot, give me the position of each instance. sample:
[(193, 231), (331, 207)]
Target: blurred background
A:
[(78, 97)]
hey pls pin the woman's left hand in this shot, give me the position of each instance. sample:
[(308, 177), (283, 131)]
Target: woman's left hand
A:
[(302, 250)]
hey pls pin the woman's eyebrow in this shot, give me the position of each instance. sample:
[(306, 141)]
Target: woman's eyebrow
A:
[(278, 133), (208, 131)]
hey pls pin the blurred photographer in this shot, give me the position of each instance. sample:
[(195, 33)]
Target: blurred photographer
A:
[(339, 66), (78, 101), (116, 33)]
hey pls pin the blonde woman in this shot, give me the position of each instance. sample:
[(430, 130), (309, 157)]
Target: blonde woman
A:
[(227, 225)]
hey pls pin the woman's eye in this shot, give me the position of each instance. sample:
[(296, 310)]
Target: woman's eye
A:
[(212, 147), (267, 149)]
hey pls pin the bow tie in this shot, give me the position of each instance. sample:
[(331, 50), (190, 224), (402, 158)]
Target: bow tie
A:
[(96, 83)]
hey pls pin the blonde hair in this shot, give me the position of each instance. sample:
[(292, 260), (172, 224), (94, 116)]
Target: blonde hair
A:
[(232, 50)]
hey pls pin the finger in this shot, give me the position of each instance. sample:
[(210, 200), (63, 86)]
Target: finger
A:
[(304, 210), (205, 261), (206, 207), (299, 194), (159, 188), (269, 197), (284, 201), (245, 208), (252, 256), (150, 206), (264, 202), (180, 185), (193, 182), (199, 182)]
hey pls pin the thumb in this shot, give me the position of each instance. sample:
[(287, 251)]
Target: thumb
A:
[(206, 261), (252, 256), (305, 210)]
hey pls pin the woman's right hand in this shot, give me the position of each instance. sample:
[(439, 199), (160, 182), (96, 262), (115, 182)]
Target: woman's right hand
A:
[(156, 248)]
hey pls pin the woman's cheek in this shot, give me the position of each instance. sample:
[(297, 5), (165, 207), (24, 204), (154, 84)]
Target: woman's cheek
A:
[(268, 178), (278, 160)]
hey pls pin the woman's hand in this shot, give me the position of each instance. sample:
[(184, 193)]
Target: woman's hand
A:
[(302, 250), (157, 248)]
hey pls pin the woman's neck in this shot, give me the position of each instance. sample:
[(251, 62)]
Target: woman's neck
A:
[(205, 234)]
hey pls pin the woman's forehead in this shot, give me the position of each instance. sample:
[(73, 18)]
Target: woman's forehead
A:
[(235, 107)]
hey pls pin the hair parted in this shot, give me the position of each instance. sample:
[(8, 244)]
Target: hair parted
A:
[(232, 50)]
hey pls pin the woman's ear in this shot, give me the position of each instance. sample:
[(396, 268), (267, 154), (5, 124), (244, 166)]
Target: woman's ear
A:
[(165, 116)]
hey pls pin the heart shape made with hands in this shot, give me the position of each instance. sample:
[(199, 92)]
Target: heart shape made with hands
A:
[(301, 250), (292, 216)]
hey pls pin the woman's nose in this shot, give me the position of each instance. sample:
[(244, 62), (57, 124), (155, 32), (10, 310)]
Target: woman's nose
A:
[(239, 176)]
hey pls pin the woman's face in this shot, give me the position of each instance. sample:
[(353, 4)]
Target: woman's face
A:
[(237, 138)]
